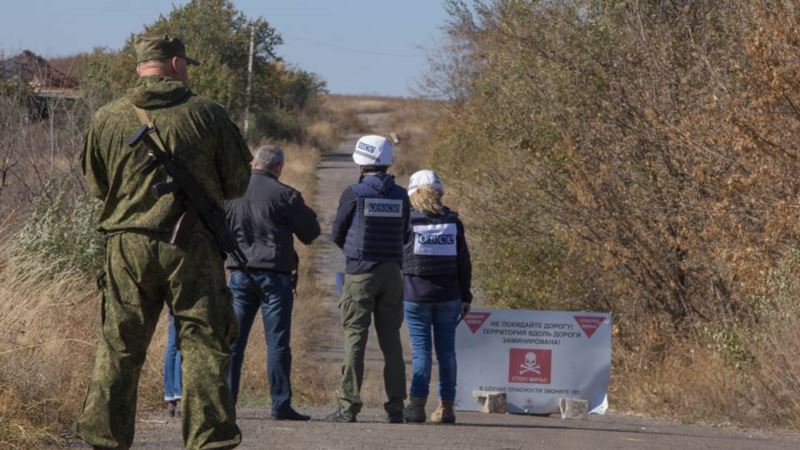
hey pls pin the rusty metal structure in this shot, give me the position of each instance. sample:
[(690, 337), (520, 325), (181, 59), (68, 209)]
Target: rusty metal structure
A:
[(44, 80)]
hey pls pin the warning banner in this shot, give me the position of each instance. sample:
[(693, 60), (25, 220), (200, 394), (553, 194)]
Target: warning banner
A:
[(535, 357)]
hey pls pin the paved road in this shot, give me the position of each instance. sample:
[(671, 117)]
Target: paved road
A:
[(474, 430)]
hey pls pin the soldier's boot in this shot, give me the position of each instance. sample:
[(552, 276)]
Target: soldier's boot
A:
[(444, 413), (415, 411)]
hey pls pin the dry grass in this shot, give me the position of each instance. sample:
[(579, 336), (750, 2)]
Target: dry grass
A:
[(48, 338), (698, 384), (47, 346), (414, 121), (360, 104), (411, 120)]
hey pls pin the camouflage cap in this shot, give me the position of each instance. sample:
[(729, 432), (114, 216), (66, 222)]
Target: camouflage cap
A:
[(149, 48)]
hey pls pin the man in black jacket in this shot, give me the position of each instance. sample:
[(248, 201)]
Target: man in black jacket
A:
[(264, 222)]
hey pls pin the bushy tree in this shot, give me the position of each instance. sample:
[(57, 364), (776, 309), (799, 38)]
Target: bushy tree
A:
[(630, 156), (638, 157), (218, 35)]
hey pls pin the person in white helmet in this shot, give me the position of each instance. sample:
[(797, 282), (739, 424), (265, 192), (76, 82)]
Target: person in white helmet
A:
[(437, 277), (370, 227)]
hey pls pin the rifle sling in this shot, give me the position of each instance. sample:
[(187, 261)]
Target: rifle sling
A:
[(145, 119), (189, 217)]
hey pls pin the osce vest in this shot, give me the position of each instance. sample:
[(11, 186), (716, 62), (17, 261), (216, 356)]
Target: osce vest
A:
[(433, 249), (376, 232)]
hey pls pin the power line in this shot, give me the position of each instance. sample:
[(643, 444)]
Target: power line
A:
[(353, 50)]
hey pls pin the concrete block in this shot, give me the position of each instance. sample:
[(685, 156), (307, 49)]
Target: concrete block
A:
[(573, 408), (493, 402)]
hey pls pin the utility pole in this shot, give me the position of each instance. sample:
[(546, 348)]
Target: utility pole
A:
[(249, 78)]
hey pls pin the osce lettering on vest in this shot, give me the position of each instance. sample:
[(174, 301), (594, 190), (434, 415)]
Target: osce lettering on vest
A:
[(436, 239), (534, 357), (382, 207)]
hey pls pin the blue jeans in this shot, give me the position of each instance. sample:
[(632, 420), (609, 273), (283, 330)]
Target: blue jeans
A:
[(172, 363), (442, 317), (276, 314)]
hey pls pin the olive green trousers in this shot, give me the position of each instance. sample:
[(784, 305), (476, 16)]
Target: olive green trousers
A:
[(142, 272), (380, 294)]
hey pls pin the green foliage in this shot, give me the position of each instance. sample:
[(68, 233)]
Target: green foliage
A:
[(96, 74), (218, 35), (300, 91), (61, 235), (730, 344), (277, 124)]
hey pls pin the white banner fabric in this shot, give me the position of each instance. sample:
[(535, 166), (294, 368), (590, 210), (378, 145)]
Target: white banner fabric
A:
[(535, 357)]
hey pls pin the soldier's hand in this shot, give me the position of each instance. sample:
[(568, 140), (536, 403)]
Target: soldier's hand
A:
[(465, 307)]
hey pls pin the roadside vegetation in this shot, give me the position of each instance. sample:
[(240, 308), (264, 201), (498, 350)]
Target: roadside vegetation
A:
[(50, 252), (641, 158), (637, 157)]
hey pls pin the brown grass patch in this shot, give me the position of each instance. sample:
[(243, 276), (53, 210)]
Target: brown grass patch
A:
[(48, 338), (411, 120), (47, 346)]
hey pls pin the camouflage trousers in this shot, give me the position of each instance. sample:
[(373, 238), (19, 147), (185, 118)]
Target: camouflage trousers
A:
[(142, 272)]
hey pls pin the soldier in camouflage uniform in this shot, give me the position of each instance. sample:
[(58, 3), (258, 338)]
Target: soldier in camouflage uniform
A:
[(143, 270)]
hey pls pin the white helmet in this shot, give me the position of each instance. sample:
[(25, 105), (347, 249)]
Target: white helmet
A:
[(373, 150), (424, 178)]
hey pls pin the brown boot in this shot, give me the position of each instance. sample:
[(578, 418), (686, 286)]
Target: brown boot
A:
[(415, 411), (444, 413)]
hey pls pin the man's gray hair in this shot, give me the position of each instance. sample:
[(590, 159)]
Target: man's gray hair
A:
[(268, 157)]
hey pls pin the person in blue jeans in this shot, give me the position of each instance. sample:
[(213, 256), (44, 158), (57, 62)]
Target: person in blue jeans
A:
[(437, 275), (172, 369), (265, 222)]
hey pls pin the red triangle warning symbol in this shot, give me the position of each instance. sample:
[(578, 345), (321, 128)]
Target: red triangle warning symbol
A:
[(474, 320), (589, 324)]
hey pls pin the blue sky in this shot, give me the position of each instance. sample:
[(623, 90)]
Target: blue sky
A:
[(357, 46)]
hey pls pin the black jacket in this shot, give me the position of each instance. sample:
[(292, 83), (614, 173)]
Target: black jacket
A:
[(265, 220)]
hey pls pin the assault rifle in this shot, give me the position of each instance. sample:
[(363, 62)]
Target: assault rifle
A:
[(198, 203)]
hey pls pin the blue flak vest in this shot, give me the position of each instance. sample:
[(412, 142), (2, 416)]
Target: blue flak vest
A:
[(376, 232), (433, 248)]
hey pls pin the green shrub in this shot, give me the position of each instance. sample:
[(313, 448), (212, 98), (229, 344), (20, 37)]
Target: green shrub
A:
[(62, 233)]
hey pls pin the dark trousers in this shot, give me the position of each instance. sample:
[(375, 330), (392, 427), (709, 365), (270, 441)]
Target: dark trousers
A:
[(276, 314)]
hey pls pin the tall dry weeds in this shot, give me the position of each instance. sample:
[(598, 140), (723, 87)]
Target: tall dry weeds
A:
[(639, 158), (48, 336)]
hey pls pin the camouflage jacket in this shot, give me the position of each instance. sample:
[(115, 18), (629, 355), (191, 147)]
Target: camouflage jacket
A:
[(199, 132)]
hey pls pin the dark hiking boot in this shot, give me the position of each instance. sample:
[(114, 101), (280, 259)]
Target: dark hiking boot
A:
[(395, 417), (415, 411)]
